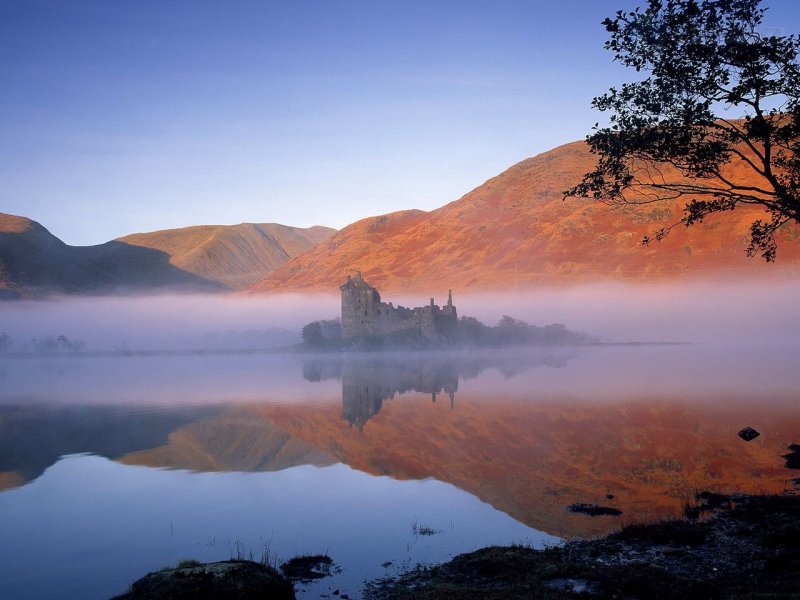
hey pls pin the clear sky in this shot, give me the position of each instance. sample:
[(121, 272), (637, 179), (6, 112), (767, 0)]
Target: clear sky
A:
[(136, 115)]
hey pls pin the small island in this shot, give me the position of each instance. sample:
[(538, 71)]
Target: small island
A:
[(368, 323)]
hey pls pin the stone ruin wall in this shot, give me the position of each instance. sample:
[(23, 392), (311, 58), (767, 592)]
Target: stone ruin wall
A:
[(363, 313)]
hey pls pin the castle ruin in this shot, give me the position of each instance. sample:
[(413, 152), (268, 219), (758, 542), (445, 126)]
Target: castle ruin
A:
[(363, 313)]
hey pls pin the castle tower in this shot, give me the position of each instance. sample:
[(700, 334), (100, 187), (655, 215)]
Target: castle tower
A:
[(360, 302)]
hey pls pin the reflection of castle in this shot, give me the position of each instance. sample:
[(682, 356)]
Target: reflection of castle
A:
[(365, 385), (363, 313), (367, 382)]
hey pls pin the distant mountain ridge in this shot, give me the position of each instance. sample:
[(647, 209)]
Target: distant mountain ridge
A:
[(517, 231), (234, 256), (34, 262)]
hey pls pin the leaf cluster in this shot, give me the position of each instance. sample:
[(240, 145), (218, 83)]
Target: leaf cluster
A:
[(713, 89)]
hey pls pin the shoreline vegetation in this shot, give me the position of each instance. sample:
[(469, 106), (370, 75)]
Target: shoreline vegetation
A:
[(746, 547)]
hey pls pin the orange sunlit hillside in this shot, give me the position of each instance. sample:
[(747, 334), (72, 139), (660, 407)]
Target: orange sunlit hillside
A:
[(516, 231)]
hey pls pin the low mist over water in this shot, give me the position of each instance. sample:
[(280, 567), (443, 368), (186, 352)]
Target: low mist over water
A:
[(168, 322), (752, 311)]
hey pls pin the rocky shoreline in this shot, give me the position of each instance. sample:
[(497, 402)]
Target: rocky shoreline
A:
[(749, 548), (731, 547)]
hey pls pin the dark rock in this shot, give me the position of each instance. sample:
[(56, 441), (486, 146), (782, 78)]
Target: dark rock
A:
[(691, 512), (793, 458), (308, 568), (593, 510), (670, 535), (747, 549), (609, 496), (227, 580), (748, 434), (568, 584), (712, 500)]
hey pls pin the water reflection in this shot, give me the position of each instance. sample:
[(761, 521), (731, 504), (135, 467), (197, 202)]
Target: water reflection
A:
[(529, 433), (531, 448), (89, 526), (369, 380), (34, 437), (365, 387)]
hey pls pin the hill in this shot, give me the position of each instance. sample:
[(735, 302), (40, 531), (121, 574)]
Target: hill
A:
[(234, 256), (516, 231), (34, 262)]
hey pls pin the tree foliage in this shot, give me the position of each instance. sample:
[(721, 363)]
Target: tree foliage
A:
[(714, 89), (317, 332), (515, 332), (312, 334)]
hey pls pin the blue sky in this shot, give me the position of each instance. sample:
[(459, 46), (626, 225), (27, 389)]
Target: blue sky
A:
[(139, 115)]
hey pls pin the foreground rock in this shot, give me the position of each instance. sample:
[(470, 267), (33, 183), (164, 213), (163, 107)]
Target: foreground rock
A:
[(749, 550), (227, 580), (307, 568)]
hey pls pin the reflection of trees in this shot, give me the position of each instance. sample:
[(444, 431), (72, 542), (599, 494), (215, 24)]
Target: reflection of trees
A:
[(369, 380)]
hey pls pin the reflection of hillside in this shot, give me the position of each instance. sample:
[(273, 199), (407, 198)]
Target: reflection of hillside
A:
[(368, 381), (531, 457), (34, 437), (199, 439), (525, 446), (231, 441), (10, 480)]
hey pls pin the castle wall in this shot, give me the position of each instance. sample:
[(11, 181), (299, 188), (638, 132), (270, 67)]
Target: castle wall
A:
[(363, 313)]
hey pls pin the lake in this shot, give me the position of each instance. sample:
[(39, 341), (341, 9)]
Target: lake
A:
[(112, 466)]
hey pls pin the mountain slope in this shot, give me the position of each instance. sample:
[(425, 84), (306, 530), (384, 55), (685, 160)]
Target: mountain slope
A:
[(34, 262), (235, 256), (31, 257), (516, 231)]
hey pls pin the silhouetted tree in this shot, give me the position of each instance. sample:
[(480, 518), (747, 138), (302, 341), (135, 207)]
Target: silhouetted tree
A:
[(471, 331), (57, 345), (512, 331), (331, 329), (716, 89), (5, 342), (312, 334)]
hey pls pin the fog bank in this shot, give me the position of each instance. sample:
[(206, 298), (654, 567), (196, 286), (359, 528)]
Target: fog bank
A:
[(167, 322), (745, 312), (735, 312)]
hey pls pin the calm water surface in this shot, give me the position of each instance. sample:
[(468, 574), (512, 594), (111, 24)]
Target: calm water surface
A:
[(114, 466)]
